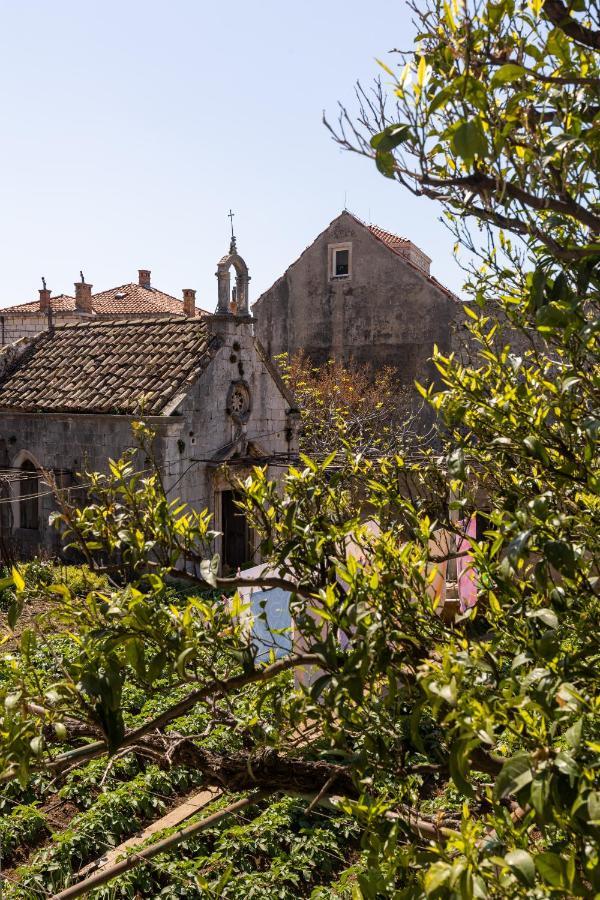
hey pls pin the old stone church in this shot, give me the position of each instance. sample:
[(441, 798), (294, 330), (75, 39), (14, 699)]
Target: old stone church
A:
[(69, 395), (360, 293)]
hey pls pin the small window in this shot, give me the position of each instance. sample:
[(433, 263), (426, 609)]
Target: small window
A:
[(342, 262), (29, 515)]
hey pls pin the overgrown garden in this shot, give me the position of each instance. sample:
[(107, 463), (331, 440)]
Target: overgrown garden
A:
[(394, 751)]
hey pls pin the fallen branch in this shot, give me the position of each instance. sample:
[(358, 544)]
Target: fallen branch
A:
[(214, 689)]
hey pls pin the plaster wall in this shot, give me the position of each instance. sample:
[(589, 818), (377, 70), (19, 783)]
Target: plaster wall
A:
[(386, 312)]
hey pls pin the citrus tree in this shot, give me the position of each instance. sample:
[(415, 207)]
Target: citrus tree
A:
[(466, 748)]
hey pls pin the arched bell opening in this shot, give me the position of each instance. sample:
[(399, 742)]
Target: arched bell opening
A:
[(233, 297)]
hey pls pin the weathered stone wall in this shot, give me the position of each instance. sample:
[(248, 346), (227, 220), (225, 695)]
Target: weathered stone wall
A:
[(386, 312), (14, 326), (66, 445), (197, 430), (209, 429)]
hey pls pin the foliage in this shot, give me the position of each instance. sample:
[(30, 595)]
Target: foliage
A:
[(22, 828), (340, 403), (465, 749)]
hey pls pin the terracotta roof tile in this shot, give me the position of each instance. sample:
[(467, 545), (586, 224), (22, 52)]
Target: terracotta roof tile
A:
[(119, 367), (393, 241), (126, 300), (60, 303), (132, 299)]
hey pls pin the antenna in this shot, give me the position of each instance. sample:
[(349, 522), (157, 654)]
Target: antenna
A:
[(345, 199)]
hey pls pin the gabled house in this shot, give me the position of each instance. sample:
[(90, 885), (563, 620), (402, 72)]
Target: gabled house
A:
[(69, 395), (360, 293), (139, 298)]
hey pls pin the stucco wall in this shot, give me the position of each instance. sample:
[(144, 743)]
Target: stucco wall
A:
[(386, 313)]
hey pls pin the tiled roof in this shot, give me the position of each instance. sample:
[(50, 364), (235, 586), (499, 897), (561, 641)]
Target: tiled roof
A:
[(393, 241), (119, 367), (132, 299), (127, 300), (60, 303)]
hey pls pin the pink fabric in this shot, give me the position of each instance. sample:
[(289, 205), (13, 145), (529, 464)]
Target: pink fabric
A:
[(465, 573)]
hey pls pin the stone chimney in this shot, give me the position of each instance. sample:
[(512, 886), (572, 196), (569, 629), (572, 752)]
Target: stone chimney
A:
[(83, 296), (44, 300), (144, 278), (189, 302)]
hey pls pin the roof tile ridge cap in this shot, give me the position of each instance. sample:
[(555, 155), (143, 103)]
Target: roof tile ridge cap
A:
[(118, 287), (397, 237), (378, 237)]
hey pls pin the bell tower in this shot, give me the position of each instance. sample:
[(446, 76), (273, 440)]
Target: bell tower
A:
[(232, 301)]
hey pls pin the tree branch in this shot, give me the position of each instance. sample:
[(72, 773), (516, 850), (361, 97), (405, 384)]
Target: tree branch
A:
[(560, 16), (214, 689)]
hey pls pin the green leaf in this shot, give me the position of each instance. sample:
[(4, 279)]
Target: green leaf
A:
[(507, 73), (385, 162), (547, 616), (551, 868), (209, 569), (593, 806), (574, 733), (560, 554), (390, 137), (436, 876), (515, 774), (469, 141), (522, 865), (456, 464)]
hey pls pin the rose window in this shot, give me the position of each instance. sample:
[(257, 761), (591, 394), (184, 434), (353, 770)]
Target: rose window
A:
[(239, 401)]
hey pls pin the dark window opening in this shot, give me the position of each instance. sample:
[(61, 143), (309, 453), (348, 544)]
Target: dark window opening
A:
[(482, 524), (236, 538), (342, 262), (29, 513)]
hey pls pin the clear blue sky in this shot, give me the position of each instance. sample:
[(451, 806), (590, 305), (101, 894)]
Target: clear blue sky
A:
[(129, 129)]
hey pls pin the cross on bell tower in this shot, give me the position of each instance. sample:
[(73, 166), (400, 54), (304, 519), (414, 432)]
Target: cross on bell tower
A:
[(232, 245)]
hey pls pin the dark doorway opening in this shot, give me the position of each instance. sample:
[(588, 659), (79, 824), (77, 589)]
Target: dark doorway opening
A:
[(236, 543), (28, 491)]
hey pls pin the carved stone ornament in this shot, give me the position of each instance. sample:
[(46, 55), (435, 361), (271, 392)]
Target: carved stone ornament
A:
[(238, 401)]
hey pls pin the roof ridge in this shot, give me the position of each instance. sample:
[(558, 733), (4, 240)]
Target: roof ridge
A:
[(102, 322), (135, 284)]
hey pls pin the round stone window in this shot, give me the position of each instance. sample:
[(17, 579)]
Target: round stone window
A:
[(239, 400)]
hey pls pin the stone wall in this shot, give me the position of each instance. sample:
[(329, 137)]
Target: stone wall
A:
[(14, 325), (198, 428), (387, 312)]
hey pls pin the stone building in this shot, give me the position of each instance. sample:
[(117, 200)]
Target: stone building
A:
[(139, 298), (359, 293), (69, 395)]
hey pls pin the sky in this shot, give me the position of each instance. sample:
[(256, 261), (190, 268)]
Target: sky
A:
[(131, 128)]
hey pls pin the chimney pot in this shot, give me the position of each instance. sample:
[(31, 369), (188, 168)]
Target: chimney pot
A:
[(189, 302), (144, 278), (83, 297), (44, 300)]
